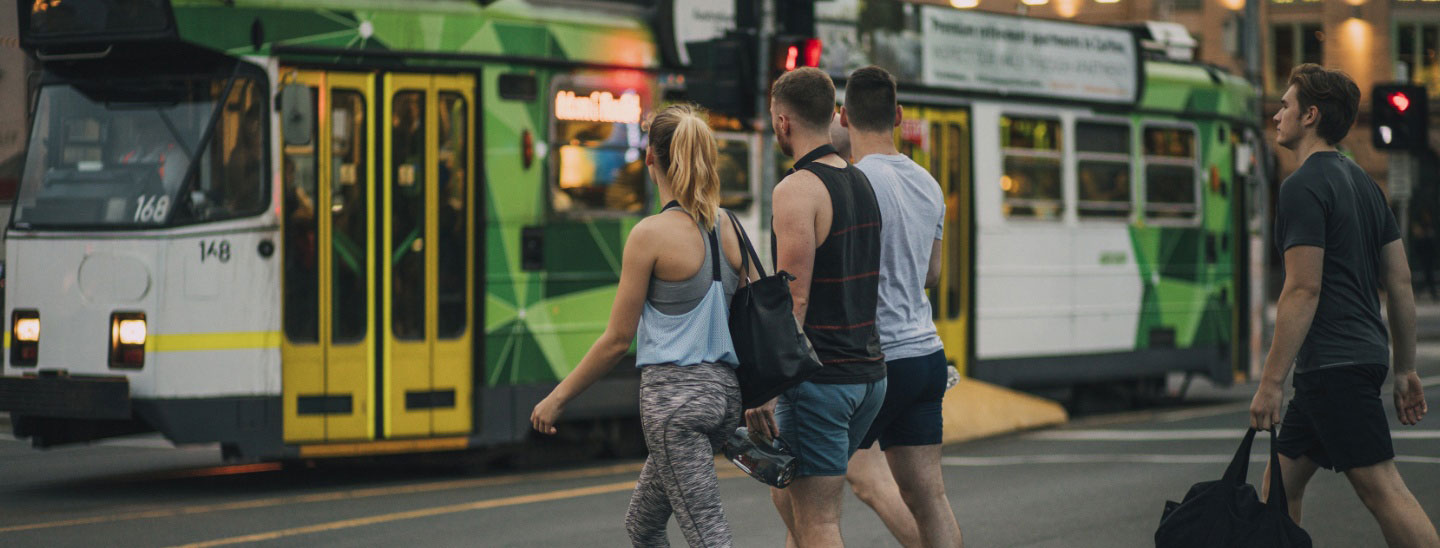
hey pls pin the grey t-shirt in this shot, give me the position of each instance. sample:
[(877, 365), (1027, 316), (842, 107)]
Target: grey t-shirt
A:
[(1332, 204), (912, 209)]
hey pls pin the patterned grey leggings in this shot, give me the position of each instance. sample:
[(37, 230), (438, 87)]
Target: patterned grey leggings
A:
[(686, 412)]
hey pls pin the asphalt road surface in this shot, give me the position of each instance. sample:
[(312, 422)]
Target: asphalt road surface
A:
[(1100, 481)]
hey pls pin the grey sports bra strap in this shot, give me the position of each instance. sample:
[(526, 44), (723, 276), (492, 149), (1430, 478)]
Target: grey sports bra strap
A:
[(714, 243)]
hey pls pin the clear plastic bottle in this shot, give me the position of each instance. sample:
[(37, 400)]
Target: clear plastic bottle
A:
[(770, 462)]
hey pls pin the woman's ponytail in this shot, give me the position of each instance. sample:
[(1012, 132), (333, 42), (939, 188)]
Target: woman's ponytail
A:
[(687, 152)]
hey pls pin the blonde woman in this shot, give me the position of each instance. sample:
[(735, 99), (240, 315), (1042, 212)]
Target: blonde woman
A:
[(679, 271)]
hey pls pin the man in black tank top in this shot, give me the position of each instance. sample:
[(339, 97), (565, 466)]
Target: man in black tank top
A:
[(827, 229)]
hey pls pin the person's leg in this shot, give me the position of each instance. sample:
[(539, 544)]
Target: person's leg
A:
[(649, 509), (1296, 473), (782, 506), (917, 472), (870, 478), (815, 503), (697, 408), (815, 421), (1401, 518)]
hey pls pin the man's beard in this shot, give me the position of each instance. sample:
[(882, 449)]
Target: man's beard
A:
[(785, 146)]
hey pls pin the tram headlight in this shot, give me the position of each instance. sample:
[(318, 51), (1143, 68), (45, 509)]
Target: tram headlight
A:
[(128, 332), (24, 338)]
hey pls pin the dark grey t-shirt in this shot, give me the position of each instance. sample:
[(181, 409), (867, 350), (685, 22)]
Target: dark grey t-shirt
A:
[(1331, 203)]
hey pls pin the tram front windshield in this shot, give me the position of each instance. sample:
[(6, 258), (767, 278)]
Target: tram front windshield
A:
[(120, 153)]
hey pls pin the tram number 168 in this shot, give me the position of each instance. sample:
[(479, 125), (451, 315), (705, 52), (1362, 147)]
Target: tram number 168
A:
[(215, 249)]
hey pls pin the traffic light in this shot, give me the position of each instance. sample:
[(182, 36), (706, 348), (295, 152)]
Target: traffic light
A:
[(792, 52), (1401, 115), (722, 75)]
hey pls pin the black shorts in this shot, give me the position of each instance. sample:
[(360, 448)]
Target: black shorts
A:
[(911, 414), (1337, 419)]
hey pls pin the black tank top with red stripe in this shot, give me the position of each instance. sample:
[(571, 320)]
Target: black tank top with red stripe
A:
[(845, 285)]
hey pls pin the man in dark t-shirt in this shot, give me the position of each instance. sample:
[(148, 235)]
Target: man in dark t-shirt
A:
[(1340, 246)]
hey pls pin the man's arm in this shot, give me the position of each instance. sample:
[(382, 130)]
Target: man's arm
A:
[(1409, 396), (932, 274), (794, 205), (1304, 267), (794, 227)]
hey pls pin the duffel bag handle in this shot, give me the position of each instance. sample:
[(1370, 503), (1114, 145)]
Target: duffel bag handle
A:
[(1236, 473), (1240, 465)]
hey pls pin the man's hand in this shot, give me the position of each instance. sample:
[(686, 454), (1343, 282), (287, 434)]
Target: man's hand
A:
[(1409, 398), (761, 420), (1265, 407)]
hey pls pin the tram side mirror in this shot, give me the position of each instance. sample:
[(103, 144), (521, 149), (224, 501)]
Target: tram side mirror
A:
[(297, 114)]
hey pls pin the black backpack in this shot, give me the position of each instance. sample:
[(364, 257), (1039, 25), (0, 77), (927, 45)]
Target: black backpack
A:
[(1228, 512)]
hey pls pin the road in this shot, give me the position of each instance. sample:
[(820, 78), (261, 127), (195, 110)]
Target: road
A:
[(1098, 481)]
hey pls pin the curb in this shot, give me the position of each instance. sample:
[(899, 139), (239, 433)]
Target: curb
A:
[(976, 409)]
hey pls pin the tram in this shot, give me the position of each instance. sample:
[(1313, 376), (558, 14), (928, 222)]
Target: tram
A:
[(325, 228)]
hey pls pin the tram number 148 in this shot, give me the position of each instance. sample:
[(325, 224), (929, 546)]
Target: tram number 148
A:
[(214, 249)]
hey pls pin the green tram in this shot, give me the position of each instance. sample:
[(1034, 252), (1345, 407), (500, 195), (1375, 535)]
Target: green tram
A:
[(327, 228)]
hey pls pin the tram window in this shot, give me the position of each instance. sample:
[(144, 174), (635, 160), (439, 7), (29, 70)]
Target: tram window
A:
[(117, 153), (733, 167), (1103, 164), (454, 233), (600, 168), (348, 214), (1170, 187), (302, 266), (1031, 180), (407, 236)]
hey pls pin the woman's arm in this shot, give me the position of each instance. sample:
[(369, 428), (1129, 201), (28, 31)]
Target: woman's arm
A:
[(635, 268)]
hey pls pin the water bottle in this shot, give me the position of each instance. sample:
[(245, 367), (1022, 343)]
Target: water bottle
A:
[(770, 462)]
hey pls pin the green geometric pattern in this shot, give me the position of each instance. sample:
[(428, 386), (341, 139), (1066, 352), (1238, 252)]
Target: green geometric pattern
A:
[(1187, 272)]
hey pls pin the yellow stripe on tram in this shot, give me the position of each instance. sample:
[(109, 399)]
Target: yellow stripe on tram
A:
[(192, 342)]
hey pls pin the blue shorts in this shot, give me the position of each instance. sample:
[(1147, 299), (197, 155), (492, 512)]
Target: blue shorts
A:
[(823, 423), (911, 414)]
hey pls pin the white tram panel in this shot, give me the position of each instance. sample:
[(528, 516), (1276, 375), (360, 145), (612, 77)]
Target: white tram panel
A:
[(1041, 290), (75, 285)]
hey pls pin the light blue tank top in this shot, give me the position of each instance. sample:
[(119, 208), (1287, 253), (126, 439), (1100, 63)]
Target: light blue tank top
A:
[(672, 333)]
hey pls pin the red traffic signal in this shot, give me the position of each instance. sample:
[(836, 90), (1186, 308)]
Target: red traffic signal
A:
[(802, 52), (1400, 117), (1399, 101)]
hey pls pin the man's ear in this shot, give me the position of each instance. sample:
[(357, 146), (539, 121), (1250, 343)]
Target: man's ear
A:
[(899, 114), (844, 119), (1311, 117)]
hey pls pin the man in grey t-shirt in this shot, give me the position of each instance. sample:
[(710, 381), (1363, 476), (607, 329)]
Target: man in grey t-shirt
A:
[(1340, 247), (912, 210)]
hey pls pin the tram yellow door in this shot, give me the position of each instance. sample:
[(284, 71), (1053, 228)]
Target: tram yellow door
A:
[(328, 354), (939, 139), (428, 173)]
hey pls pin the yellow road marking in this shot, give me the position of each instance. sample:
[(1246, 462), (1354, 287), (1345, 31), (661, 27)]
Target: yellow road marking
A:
[(332, 497), (421, 513), (435, 511)]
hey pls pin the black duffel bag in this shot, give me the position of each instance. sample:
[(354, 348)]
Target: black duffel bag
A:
[(773, 350), (1228, 512)]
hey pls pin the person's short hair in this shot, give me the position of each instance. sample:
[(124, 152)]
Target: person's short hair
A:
[(870, 99), (810, 95), (1333, 93)]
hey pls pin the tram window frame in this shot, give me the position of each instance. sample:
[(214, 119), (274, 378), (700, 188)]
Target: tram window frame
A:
[(1030, 154), (561, 203), (1148, 160), (736, 197), (1122, 156)]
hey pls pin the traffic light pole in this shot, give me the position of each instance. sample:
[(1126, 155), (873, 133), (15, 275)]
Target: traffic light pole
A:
[(765, 31), (1401, 181)]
